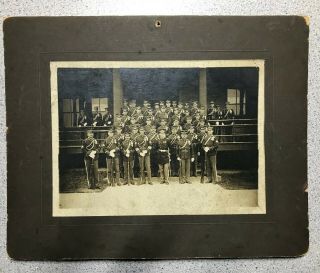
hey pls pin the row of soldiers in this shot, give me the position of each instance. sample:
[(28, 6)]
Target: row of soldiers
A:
[(157, 152), (167, 111)]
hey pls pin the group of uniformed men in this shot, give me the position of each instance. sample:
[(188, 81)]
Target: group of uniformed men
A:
[(168, 139)]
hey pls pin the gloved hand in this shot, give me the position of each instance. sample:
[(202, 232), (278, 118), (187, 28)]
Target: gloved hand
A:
[(192, 159), (179, 158)]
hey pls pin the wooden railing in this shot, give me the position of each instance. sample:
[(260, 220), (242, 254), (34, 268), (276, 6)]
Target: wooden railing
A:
[(233, 134)]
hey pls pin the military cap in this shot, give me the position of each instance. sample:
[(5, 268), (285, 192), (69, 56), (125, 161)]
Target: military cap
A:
[(209, 128), (162, 130), (156, 103), (191, 127), (89, 131), (145, 102), (134, 127), (183, 132), (174, 102), (189, 117), (141, 128), (203, 128)]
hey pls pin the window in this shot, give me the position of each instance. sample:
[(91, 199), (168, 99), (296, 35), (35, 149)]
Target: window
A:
[(235, 103), (101, 103), (67, 110)]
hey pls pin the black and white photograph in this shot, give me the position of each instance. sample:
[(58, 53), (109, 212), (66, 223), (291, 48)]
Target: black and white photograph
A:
[(158, 137)]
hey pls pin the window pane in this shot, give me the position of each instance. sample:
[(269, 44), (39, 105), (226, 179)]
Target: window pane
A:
[(103, 103), (232, 96), (68, 120), (95, 103), (67, 105)]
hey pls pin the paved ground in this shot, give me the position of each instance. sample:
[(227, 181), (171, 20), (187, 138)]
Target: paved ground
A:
[(161, 199), (74, 180)]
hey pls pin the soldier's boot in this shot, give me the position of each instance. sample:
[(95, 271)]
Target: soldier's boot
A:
[(161, 178), (118, 179), (149, 182), (202, 180)]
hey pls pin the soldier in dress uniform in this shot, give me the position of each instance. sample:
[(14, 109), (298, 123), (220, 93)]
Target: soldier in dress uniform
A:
[(97, 118), (82, 119), (147, 127), (118, 121), (163, 126), (144, 109), (185, 155), (194, 108), (134, 135), (176, 123), (229, 120), (210, 147), (90, 149), (175, 115), (173, 146), (107, 118), (129, 128), (193, 137), (186, 126), (174, 104), (143, 148), (127, 152), (120, 137), (202, 114), (125, 106), (138, 115), (201, 153), (125, 119), (180, 108), (153, 139), (212, 112), (163, 159), (132, 108), (163, 115), (156, 111), (112, 151)]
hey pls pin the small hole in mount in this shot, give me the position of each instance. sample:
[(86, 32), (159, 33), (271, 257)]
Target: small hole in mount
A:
[(157, 23)]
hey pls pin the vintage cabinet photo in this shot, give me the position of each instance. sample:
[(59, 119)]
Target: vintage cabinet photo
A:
[(158, 138)]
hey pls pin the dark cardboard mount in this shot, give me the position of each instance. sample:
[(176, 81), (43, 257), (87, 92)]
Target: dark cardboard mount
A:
[(31, 43)]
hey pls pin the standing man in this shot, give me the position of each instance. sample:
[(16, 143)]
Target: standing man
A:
[(143, 148), (153, 139), (112, 150), (119, 138), (163, 157), (90, 149), (201, 153), (210, 147), (185, 155), (127, 151), (193, 138), (173, 146)]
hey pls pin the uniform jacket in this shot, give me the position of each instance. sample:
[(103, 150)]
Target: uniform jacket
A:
[(185, 149), (111, 144), (89, 145), (212, 143)]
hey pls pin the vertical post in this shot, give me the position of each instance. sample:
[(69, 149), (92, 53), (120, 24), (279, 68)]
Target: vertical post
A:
[(203, 88), (117, 91)]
